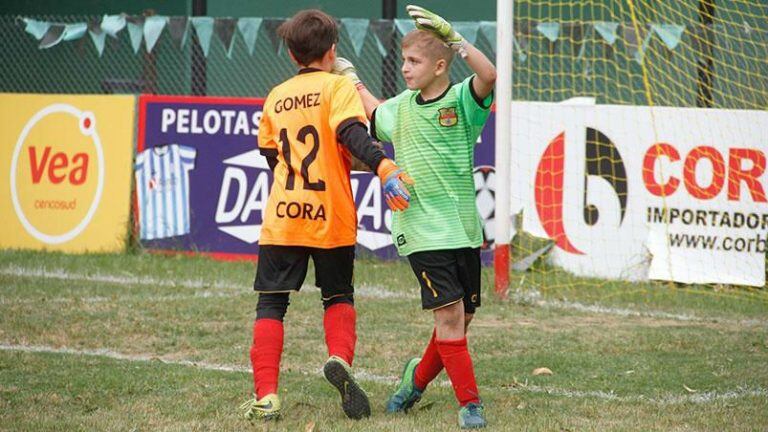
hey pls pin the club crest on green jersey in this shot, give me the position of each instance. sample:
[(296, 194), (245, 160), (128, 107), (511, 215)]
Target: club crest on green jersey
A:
[(447, 116)]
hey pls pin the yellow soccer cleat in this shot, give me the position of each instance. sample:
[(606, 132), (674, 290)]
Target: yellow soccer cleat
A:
[(266, 408)]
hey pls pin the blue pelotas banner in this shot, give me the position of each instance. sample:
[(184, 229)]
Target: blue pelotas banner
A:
[(202, 185)]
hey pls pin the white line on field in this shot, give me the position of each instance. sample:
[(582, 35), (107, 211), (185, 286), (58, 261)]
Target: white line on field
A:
[(112, 279), (534, 297), (703, 397), (362, 375), (528, 296), (105, 299), (598, 309), (107, 353), (364, 290)]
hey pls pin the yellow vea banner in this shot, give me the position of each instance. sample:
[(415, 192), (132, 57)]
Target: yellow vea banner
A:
[(66, 171)]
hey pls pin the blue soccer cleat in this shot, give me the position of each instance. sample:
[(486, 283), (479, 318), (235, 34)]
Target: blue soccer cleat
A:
[(472, 416), (406, 394)]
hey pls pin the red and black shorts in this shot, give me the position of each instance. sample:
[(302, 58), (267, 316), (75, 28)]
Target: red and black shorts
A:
[(447, 277), (284, 268)]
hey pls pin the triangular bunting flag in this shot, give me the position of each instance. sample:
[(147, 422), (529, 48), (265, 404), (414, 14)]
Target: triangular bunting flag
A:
[(357, 28), (225, 30), (574, 33), (607, 30), (53, 36), (640, 53), (550, 30), (204, 29), (670, 34), (488, 29), (249, 29), (468, 29), (631, 38), (384, 32), (404, 25), (177, 29), (270, 26), (521, 55), (112, 24), (98, 36), (153, 27), (38, 29), (74, 31), (136, 33)]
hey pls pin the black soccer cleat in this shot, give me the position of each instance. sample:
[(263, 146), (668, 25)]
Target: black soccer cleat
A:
[(354, 401)]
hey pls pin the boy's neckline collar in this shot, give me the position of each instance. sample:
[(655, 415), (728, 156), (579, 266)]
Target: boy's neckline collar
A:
[(308, 70), (421, 101)]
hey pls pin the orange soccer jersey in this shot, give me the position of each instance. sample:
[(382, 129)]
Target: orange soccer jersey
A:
[(310, 203)]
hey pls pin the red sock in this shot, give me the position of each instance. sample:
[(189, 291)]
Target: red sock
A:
[(340, 336), (430, 365), (265, 355), (458, 365)]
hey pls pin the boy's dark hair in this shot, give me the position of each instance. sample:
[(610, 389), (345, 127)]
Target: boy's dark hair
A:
[(309, 35)]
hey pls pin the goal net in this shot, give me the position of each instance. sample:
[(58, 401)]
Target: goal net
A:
[(639, 142)]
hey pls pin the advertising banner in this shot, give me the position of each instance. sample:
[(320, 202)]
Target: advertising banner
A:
[(202, 184), (639, 192), (66, 163)]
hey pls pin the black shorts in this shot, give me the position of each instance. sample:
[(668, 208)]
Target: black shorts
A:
[(448, 276), (283, 269)]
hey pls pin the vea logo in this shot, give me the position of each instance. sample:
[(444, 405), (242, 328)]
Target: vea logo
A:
[(57, 173)]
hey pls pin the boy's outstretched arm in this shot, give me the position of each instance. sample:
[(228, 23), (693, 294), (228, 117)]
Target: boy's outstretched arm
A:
[(344, 67), (485, 71)]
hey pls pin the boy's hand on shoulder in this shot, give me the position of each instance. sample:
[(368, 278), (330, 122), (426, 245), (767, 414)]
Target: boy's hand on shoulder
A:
[(430, 21), (345, 68), (394, 180)]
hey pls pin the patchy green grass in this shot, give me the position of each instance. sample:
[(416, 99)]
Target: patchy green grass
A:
[(146, 342)]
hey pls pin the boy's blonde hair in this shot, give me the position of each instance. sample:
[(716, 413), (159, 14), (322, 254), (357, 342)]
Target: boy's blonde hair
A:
[(428, 44)]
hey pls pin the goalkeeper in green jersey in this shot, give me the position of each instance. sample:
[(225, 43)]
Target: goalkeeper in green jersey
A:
[(434, 125)]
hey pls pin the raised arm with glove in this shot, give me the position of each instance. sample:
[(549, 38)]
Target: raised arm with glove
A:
[(430, 21)]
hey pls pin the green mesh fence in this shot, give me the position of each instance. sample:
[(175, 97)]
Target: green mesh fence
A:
[(577, 60)]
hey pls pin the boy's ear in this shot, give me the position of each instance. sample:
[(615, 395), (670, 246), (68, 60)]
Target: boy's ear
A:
[(441, 66), (293, 59), (331, 53)]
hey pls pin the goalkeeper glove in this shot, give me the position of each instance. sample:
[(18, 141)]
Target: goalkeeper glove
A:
[(426, 20), (394, 180), (344, 67)]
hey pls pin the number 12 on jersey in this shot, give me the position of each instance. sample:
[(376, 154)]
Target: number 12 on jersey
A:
[(301, 137)]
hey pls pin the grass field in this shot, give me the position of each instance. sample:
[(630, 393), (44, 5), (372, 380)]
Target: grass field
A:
[(147, 343)]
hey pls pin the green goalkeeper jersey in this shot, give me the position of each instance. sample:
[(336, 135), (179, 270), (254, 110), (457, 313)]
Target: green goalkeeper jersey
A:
[(434, 143)]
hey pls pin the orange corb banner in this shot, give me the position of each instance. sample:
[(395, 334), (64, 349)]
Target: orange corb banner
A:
[(66, 171)]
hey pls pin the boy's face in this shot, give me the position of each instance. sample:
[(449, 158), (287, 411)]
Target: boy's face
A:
[(419, 69)]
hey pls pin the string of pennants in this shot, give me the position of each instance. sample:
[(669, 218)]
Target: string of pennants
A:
[(149, 29)]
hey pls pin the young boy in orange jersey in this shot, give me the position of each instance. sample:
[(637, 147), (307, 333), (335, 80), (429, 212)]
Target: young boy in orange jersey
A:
[(434, 126), (312, 125)]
